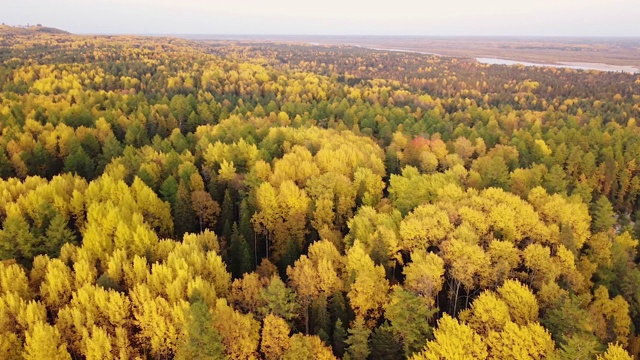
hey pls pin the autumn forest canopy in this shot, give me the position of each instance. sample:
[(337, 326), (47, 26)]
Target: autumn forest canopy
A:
[(164, 198)]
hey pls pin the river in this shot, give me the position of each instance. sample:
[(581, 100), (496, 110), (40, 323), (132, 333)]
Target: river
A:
[(570, 65)]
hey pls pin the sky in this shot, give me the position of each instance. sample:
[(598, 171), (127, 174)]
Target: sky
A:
[(332, 17)]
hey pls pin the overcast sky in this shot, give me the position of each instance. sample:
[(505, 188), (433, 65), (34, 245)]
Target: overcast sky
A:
[(331, 17)]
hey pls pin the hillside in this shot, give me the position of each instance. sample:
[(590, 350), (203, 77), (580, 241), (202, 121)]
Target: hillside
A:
[(12, 30)]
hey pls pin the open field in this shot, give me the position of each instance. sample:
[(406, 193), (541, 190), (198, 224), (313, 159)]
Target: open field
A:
[(551, 50)]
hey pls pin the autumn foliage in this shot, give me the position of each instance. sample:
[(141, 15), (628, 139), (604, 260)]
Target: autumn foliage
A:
[(162, 198)]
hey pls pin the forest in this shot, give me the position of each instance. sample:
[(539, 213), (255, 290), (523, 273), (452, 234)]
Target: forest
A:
[(162, 198)]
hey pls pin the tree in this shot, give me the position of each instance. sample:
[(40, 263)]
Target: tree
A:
[(554, 180), (468, 264), (246, 293), (16, 241), (339, 338), (427, 225), (541, 270), (320, 319), (278, 300), (523, 305), (227, 213), (338, 307), (614, 352), (493, 171), (268, 213), (385, 345), (241, 261), (205, 209), (603, 215), (240, 333), (169, 190), (97, 344), (275, 337), (504, 257), (377, 234), (358, 340), (56, 288), (453, 340), (183, 212), (202, 340), (157, 321), (57, 235), (610, 317), (488, 313), (80, 163), (6, 170), (368, 292), (10, 345), (43, 341), (580, 346), (412, 189), (304, 347), (13, 279), (329, 265), (409, 316), (424, 274), (304, 279), (112, 148), (531, 341)]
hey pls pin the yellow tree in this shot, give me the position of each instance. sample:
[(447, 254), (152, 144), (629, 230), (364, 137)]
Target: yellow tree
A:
[(377, 233), (97, 344), (541, 270), (157, 320), (424, 275), (302, 347), (425, 226), (453, 341), (43, 342), (240, 333), (305, 279), (275, 337), (368, 286), (610, 317), (523, 305), (505, 257), (17, 316), (57, 286), (91, 306), (614, 352), (245, 293), (268, 213), (291, 228), (14, 279), (329, 264), (531, 341), (487, 313), (468, 265), (205, 208)]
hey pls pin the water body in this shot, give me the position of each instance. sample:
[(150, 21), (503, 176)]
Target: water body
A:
[(569, 65), (496, 61), (398, 50)]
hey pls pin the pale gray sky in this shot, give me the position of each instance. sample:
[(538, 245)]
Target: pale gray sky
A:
[(332, 17)]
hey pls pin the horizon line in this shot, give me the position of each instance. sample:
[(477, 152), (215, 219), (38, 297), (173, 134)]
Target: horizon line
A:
[(98, 33), (360, 35)]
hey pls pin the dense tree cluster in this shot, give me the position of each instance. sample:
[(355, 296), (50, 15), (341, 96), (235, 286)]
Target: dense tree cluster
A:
[(162, 198)]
